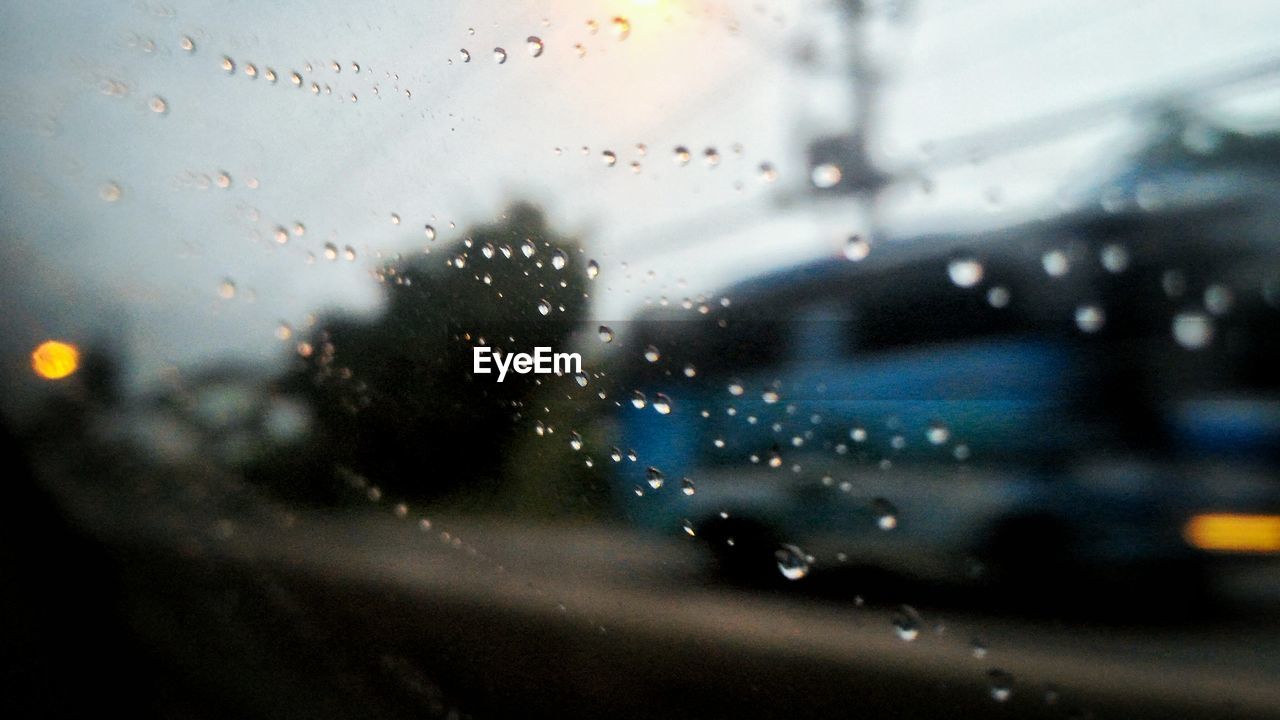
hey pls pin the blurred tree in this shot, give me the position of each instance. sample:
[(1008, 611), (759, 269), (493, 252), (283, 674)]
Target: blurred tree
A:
[(395, 399)]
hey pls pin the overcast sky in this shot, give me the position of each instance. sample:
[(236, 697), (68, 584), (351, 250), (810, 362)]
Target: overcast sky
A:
[(434, 140)]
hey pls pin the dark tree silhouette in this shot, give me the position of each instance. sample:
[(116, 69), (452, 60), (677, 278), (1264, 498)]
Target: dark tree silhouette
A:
[(395, 399)]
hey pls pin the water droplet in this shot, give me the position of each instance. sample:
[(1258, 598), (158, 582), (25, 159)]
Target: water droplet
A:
[(736, 388), (906, 623), (711, 157), (228, 65), (654, 477), (158, 105), (544, 307), (651, 354), (251, 70), (606, 335), (766, 172), (792, 562), (429, 231), (690, 371), (858, 434), (965, 272), (527, 249), (110, 192), (575, 441), (1090, 318), (775, 459), (621, 28), (686, 486), (662, 404), (978, 648), (688, 527), (825, 175), (187, 44), (608, 158), (330, 251), (499, 55), (638, 400), (998, 296), (579, 50), (1192, 330), (534, 45), (886, 514), (466, 56), (559, 259), (615, 454), (593, 270), (395, 219), (1218, 299), (1055, 263), (770, 396), (1001, 684), (281, 235), (937, 433), (296, 79), (1115, 258), (856, 248), (227, 289), (349, 253), (681, 155)]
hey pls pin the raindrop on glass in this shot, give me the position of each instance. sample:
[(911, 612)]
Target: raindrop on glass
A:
[(906, 623), (965, 272), (998, 296), (1055, 263), (825, 175), (1090, 318), (937, 433), (662, 404), (1001, 684), (886, 514), (856, 248), (792, 562), (1115, 258), (621, 28), (1192, 330)]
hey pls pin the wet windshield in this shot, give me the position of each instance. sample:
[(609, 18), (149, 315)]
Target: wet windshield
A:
[(648, 358)]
